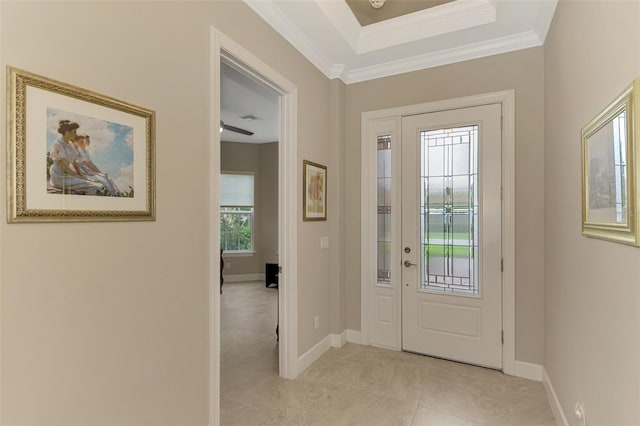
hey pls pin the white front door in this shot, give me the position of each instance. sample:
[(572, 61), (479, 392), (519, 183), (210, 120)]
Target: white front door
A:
[(451, 235)]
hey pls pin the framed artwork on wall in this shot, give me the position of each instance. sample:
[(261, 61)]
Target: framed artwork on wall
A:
[(610, 171), (314, 197), (75, 155)]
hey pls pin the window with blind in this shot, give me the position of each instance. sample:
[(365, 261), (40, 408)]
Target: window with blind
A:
[(236, 212)]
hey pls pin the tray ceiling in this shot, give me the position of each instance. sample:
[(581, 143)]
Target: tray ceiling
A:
[(366, 15), (328, 34)]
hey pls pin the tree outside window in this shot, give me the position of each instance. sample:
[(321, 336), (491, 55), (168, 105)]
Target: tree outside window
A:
[(236, 212), (236, 229)]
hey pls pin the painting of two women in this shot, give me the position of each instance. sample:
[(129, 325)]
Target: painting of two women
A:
[(70, 166)]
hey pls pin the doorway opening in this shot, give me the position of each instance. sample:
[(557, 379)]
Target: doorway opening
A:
[(249, 133), (226, 51)]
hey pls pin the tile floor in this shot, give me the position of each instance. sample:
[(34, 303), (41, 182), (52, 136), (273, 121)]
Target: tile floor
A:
[(356, 385)]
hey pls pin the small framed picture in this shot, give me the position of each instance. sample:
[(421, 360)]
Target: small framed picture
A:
[(314, 198), (75, 155)]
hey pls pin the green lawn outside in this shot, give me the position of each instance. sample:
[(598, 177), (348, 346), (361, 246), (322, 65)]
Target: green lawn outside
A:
[(439, 250), (454, 235)]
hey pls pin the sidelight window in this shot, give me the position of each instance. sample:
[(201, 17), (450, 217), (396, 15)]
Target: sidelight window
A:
[(384, 209)]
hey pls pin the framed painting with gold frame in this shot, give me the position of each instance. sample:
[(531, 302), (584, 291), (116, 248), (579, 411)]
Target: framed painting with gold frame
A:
[(610, 171), (314, 197), (74, 155)]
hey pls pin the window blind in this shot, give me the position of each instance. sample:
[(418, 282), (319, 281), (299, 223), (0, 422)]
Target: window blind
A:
[(236, 190)]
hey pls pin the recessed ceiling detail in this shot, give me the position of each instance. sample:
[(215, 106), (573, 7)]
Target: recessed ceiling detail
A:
[(328, 34), (367, 15), (424, 24)]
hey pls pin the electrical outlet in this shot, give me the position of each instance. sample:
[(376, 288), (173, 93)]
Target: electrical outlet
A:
[(578, 411), (317, 322), (227, 265)]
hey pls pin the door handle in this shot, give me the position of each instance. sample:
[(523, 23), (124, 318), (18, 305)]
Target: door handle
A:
[(408, 264)]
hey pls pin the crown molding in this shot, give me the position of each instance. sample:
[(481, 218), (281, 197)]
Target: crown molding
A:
[(336, 60), (544, 18), (270, 13), (338, 71), (443, 19), (435, 21), (343, 20), (464, 53)]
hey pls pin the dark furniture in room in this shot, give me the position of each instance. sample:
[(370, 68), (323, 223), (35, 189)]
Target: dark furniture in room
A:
[(271, 271), (271, 274), (221, 269)]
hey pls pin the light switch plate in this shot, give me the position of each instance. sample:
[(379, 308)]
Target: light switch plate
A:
[(324, 242)]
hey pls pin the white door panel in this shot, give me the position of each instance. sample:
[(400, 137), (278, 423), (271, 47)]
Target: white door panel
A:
[(454, 320), (383, 281), (451, 224)]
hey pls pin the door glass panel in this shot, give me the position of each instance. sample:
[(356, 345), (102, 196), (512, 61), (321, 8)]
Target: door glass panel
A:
[(449, 210), (384, 210)]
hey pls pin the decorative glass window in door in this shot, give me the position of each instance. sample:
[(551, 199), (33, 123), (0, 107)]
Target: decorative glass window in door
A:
[(449, 210), (384, 209)]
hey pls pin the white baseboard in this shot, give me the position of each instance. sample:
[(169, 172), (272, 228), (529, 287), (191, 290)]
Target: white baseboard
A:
[(313, 354), (338, 340), (523, 369), (353, 336), (332, 340), (527, 370), (561, 419), (243, 277)]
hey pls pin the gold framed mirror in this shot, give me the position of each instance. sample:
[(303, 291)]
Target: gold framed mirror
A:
[(609, 171)]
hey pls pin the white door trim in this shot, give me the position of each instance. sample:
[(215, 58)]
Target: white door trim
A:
[(368, 215), (387, 332), (223, 47)]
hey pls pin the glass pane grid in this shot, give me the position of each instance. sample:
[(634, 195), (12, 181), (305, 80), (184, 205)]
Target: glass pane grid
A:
[(449, 210), (236, 229), (384, 210)]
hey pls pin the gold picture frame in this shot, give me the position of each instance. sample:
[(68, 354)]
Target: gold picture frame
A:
[(74, 155), (610, 171), (314, 195)]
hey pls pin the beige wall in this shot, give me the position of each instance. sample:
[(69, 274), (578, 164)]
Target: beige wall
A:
[(522, 71), (592, 287), (336, 205), (268, 197), (106, 323), (262, 161), (314, 266), (117, 333)]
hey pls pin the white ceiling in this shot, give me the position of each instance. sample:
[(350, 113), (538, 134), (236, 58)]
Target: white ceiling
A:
[(327, 33), (242, 96)]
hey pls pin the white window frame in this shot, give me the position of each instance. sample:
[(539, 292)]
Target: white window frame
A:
[(251, 251), (239, 253)]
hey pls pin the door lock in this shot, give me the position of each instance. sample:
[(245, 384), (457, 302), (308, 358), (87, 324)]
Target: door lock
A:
[(407, 264), (407, 249)]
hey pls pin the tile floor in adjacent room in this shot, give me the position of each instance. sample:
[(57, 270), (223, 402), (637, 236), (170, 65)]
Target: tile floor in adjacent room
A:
[(356, 385)]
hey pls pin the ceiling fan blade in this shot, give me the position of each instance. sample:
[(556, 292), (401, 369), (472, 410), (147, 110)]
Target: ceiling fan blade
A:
[(235, 129)]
